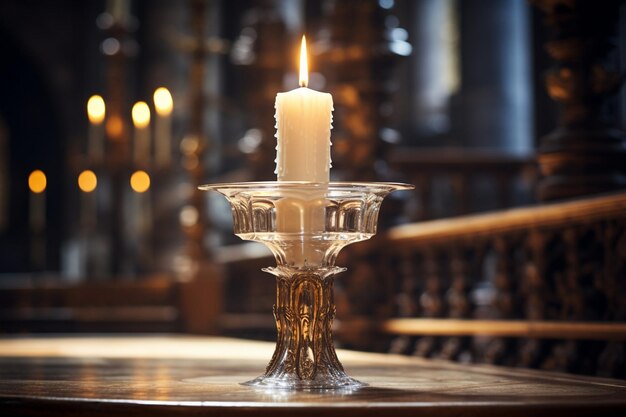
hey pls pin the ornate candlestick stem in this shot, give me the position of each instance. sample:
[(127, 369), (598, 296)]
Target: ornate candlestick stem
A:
[(305, 225), (304, 313)]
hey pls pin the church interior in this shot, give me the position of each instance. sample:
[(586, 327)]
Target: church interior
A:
[(507, 117)]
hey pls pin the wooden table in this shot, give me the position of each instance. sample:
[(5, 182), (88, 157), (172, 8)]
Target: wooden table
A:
[(198, 376)]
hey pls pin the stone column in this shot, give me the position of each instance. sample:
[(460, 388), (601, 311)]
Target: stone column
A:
[(493, 109), (434, 73)]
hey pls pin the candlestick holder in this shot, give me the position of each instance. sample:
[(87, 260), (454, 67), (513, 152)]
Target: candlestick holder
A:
[(305, 225)]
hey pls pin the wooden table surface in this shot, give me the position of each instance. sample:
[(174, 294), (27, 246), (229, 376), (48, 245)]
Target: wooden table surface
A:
[(180, 375)]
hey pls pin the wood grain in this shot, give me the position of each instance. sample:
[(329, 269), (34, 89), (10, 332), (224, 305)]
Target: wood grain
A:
[(470, 226), (201, 376), (507, 328)]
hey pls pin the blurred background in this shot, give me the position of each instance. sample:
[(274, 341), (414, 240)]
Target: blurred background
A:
[(113, 112)]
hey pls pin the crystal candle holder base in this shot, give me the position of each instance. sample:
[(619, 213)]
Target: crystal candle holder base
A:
[(305, 225)]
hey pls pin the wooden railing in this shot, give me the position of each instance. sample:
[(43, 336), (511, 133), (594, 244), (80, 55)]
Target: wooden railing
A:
[(452, 182), (537, 287)]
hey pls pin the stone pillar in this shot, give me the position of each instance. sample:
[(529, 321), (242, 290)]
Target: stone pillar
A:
[(586, 153), (493, 109), (434, 73)]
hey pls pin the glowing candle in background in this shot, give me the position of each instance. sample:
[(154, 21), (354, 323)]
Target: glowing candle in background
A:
[(163, 105), (141, 121), (87, 183), (114, 127), (140, 181), (96, 112), (37, 183), (140, 218), (142, 212)]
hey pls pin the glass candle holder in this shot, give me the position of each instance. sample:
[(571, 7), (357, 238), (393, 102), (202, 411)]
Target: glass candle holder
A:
[(305, 225)]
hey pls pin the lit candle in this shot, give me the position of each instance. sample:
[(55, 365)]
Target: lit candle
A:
[(37, 183), (96, 111), (140, 218), (142, 211), (87, 183), (141, 121), (303, 122), (163, 105)]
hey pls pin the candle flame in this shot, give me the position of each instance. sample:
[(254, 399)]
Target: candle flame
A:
[(87, 181), (141, 115), (304, 64), (140, 181), (37, 181), (96, 109), (163, 102)]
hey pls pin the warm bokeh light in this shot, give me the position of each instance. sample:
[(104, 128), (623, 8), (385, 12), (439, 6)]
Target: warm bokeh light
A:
[(96, 109), (140, 181), (37, 181), (87, 181), (189, 145), (304, 64), (188, 216), (163, 102), (141, 115), (114, 127)]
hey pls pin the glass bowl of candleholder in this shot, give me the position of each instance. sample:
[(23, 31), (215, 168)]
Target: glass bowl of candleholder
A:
[(305, 225)]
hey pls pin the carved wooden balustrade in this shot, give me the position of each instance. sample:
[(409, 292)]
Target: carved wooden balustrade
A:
[(541, 287), (451, 182)]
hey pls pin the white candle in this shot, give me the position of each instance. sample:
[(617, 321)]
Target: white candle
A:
[(96, 111), (141, 121), (303, 122), (163, 105)]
